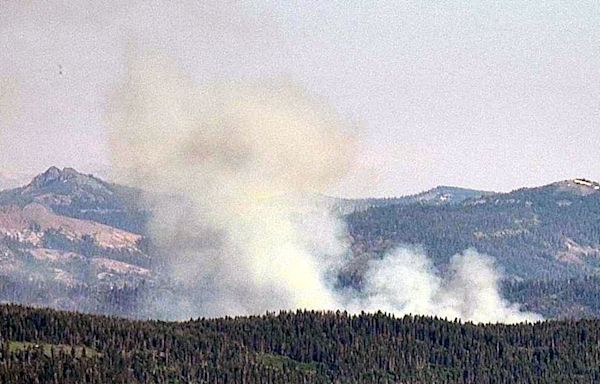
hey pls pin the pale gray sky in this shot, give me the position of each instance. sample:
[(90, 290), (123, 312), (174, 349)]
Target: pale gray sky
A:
[(490, 95)]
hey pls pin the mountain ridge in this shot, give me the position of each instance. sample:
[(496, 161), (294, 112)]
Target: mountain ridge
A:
[(68, 233)]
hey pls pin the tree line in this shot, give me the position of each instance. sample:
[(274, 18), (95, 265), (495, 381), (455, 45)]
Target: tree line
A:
[(47, 346)]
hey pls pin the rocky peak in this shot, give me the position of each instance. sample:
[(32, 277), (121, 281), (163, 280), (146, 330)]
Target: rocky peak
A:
[(70, 193), (46, 178), (55, 175)]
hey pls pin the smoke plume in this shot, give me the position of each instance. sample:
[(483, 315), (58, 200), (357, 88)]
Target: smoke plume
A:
[(236, 154), (405, 281), (235, 166)]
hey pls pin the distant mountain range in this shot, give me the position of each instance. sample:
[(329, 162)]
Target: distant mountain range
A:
[(74, 241), (544, 232), (441, 195)]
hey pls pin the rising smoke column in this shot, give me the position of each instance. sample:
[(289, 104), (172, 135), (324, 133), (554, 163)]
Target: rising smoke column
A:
[(235, 155), (232, 172)]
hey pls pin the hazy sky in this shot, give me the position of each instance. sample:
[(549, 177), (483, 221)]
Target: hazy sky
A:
[(478, 94)]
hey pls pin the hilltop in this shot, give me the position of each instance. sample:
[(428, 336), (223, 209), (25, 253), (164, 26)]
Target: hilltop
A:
[(441, 195)]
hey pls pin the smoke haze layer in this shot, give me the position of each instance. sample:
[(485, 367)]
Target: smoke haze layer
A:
[(235, 166)]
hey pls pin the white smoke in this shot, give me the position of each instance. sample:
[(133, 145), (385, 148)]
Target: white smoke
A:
[(239, 230), (405, 281), (237, 154)]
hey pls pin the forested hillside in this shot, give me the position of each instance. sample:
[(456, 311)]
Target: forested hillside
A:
[(551, 232), (41, 345), (566, 298)]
